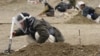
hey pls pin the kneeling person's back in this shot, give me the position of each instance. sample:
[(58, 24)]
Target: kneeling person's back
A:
[(30, 26)]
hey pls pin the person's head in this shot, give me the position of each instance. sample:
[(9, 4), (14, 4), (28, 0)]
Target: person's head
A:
[(21, 20), (80, 5), (45, 3), (61, 0)]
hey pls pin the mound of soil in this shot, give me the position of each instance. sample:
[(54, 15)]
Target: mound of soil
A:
[(97, 10), (57, 49), (79, 19)]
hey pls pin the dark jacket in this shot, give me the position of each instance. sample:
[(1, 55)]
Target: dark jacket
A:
[(88, 10), (43, 28), (62, 7)]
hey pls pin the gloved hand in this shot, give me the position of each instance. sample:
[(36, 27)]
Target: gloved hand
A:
[(88, 16), (13, 33)]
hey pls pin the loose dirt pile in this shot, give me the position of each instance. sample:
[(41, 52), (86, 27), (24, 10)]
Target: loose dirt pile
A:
[(57, 49), (97, 10), (79, 19)]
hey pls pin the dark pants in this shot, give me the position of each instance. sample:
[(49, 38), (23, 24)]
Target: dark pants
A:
[(50, 13)]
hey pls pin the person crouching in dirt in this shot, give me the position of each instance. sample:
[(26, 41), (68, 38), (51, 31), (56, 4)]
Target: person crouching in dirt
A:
[(89, 12), (38, 31), (62, 6), (48, 11)]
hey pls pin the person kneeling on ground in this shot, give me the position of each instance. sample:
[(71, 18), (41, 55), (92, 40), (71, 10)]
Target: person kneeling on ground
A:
[(62, 6), (89, 12), (48, 11), (38, 31)]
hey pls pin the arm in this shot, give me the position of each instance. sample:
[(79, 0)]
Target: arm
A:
[(88, 12), (18, 32), (91, 10), (85, 12)]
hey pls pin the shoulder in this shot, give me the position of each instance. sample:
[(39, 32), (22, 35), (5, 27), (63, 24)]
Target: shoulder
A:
[(87, 8)]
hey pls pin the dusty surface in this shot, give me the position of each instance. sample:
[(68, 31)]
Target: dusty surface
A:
[(68, 25), (79, 19), (57, 49)]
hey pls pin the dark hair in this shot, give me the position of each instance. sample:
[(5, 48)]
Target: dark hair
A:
[(61, 0), (82, 4), (25, 14), (46, 3), (19, 18)]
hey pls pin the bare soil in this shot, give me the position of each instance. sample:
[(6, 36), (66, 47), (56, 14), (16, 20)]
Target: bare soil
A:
[(79, 19), (85, 44), (57, 49)]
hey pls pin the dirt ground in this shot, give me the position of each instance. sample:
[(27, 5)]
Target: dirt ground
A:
[(68, 25), (57, 49), (61, 49)]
